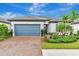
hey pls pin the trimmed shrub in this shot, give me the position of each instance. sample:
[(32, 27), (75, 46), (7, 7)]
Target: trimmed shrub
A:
[(63, 39), (4, 33), (43, 32), (77, 37), (54, 35), (10, 33), (78, 32), (3, 29), (75, 34)]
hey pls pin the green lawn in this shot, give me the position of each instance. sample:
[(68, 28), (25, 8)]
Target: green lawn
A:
[(46, 45)]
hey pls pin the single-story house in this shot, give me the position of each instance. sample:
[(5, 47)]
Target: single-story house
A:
[(32, 25), (4, 21), (28, 25)]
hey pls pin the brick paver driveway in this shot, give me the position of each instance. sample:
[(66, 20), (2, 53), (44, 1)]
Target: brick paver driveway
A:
[(21, 46)]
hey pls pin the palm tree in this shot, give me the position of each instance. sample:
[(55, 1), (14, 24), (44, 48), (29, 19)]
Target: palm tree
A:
[(64, 19), (69, 18), (60, 27), (73, 16)]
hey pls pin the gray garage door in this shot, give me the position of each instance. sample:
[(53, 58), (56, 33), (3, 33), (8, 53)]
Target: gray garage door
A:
[(27, 29)]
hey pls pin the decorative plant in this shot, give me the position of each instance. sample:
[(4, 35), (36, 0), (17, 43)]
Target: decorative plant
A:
[(3, 29), (43, 32), (64, 28), (4, 33), (78, 32)]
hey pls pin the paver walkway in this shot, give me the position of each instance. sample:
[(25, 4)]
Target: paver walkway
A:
[(21, 46)]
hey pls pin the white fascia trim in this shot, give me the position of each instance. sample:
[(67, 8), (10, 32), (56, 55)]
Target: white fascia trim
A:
[(28, 22)]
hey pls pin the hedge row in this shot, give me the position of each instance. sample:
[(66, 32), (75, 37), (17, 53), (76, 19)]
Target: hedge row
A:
[(63, 39)]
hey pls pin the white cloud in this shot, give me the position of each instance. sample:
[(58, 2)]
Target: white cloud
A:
[(37, 8), (70, 4), (63, 9), (9, 15), (59, 12), (15, 5)]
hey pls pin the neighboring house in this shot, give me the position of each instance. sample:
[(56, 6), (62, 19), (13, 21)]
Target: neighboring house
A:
[(28, 25), (75, 26), (3, 21), (52, 26)]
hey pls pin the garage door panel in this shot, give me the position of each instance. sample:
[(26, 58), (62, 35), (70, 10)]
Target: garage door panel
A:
[(27, 29)]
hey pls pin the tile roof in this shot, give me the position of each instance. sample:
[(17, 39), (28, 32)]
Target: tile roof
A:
[(2, 20), (75, 21), (28, 18)]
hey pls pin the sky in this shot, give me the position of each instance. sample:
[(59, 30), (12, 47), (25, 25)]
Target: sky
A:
[(53, 10)]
